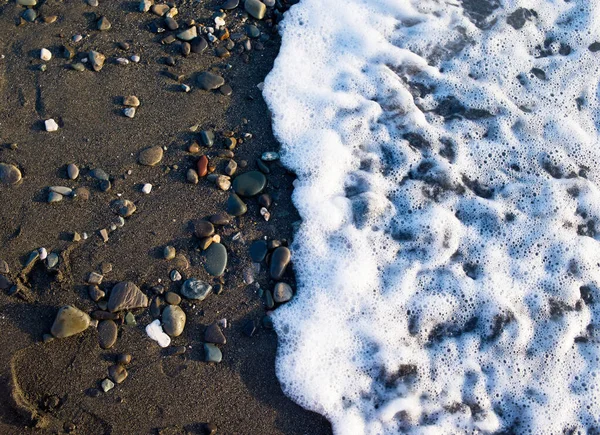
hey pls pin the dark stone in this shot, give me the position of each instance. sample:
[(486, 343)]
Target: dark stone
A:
[(212, 353), (203, 228), (198, 45), (269, 302), (207, 137), (213, 334), (249, 328), (250, 183), (279, 261), (209, 81), (258, 251), (519, 17), (220, 219), (173, 298), (195, 289), (117, 373), (107, 334), (265, 200), (226, 90), (262, 166), (126, 296), (104, 315), (235, 206), (230, 4), (5, 283), (594, 47), (216, 259)]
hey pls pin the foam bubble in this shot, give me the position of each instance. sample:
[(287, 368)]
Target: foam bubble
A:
[(448, 259)]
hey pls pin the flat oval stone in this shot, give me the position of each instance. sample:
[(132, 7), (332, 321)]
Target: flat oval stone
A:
[(107, 334), (203, 228), (202, 166), (256, 8), (9, 174), (195, 289), (198, 45), (209, 81), (151, 156), (282, 292), (220, 219), (212, 353), (69, 321), (99, 174), (216, 259), (72, 171), (279, 261), (230, 4), (235, 206), (250, 183), (173, 320), (126, 295), (258, 251), (172, 298)]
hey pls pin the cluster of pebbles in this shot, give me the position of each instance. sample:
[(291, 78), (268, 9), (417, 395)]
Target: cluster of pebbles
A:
[(118, 304)]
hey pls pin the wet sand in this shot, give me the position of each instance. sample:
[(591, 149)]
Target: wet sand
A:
[(45, 384)]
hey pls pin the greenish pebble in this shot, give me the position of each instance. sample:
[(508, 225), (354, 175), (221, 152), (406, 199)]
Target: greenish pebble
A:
[(216, 259), (235, 206), (212, 353), (250, 183), (130, 319)]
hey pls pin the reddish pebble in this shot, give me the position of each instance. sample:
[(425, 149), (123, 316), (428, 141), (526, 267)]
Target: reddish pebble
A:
[(203, 166)]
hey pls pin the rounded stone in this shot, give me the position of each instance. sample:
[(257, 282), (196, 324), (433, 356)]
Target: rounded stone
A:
[(235, 206), (117, 373), (209, 81), (72, 171), (203, 228), (282, 292), (195, 289), (202, 166), (69, 321), (250, 183), (279, 261), (173, 320), (97, 60), (216, 259), (172, 298), (212, 353), (107, 334), (9, 174), (169, 252), (255, 8), (198, 45), (151, 156), (258, 251)]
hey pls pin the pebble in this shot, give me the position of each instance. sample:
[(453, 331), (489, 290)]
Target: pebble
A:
[(265, 214), (97, 60), (220, 219), (107, 385), (258, 251), (250, 183), (126, 295), (235, 206), (198, 45), (172, 298), (212, 353), (226, 90), (207, 137), (62, 190), (216, 259), (173, 320), (213, 334), (103, 24), (160, 9), (123, 207), (9, 174), (135, 58), (202, 166), (209, 81), (93, 3), (175, 275), (203, 228), (230, 4), (185, 88), (269, 302), (95, 278), (156, 333), (252, 31), (265, 200), (131, 101), (72, 171), (192, 176), (231, 167), (195, 289), (50, 125), (107, 334), (270, 156), (150, 156), (147, 188), (5, 283), (269, 3), (99, 174), (45, 54), (188, 35), (52, 260), (129, 112), (4, 269), (95, 293), (27, 2), (117, 373), (223, 182), (171, 24), (169, 252), (282, 292), (249, 328), (29, 15), (54, 197), (123, 359), (205, 243), (255, 8), (122, 61), (279, 261), (186, 49), (69, 321), (130, 319)]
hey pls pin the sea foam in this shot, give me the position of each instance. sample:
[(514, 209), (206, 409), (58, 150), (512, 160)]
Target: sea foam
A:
[(448, 261)]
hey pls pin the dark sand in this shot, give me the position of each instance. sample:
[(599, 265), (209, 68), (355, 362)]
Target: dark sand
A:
[(174, 394)]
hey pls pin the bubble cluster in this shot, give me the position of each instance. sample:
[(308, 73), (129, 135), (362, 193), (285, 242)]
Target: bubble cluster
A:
[(448, 260)]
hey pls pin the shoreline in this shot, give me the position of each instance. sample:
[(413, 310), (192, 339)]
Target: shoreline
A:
[(163, 392)]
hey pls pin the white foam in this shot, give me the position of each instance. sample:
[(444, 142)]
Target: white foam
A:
[(448, 260)]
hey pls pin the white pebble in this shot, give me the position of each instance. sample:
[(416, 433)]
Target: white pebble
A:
[(219, 22), (122, 61), (156, 333), (135, 58), (85, 236), (43, 253), (147, 188), (77, 38), (45, 54), (129, 112), (51, 125)]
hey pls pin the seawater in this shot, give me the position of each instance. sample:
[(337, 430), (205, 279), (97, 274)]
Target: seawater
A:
[(448, 261)]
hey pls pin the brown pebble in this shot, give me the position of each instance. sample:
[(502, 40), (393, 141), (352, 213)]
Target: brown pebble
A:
[(203, 166), (123, 359), (117, 373), (173, 298), (194, 147)]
